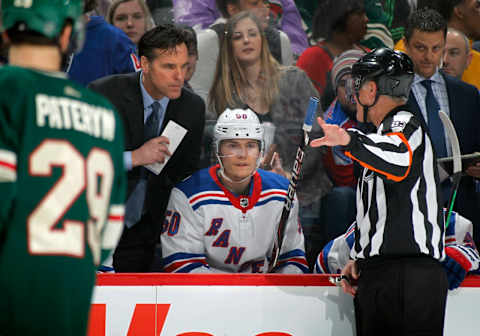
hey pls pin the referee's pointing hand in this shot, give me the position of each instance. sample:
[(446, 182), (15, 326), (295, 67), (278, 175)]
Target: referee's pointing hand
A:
[(334, 135)]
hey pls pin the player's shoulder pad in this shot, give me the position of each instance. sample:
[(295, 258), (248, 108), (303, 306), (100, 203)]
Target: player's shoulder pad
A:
[(75, 90), (272, 180), (7, 71), (20, 78), (198, 182)]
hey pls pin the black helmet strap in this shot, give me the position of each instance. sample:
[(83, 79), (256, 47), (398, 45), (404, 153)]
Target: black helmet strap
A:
[(367, 107)]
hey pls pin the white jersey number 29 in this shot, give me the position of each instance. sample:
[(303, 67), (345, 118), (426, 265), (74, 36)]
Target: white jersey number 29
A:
[(93, 175)]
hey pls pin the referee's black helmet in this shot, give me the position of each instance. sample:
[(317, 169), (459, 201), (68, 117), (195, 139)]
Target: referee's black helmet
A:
[(391, 70)]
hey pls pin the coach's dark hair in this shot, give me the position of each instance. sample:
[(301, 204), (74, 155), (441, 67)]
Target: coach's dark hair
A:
[(191, 39), (222, 6), (425, 20), (165, 36)]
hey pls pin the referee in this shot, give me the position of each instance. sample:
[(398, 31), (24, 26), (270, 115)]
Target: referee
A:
[(399, 237)]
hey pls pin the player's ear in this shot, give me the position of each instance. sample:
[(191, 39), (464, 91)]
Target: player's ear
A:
[(458, 12), (469, 59), (64, 38), (145, 63), (5, 38), (372, 89), (405, 44)]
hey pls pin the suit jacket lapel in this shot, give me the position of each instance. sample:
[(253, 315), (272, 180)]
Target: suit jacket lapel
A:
[(451, 107), (415, 107), (172, 111), (134, 108)]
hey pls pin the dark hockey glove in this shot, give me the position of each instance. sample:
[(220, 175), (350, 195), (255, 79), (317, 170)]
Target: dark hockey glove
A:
[(455, 272), (456, 265)]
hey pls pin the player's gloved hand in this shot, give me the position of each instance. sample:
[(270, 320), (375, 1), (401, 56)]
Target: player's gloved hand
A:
[(456, 265), (455, 272)]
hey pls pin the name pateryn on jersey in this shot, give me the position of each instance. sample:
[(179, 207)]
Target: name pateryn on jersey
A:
[(66, 113)]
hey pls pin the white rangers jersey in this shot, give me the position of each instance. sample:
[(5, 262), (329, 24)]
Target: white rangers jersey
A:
[(208, 229), (458, 238)]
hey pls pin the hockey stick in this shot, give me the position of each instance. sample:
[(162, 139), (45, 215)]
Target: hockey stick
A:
[(457, 161), (292, 186)]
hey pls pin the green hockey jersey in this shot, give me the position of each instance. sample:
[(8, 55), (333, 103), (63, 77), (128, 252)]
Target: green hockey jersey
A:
[(62, 187)]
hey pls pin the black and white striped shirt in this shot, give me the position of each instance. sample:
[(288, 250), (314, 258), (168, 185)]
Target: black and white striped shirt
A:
[(398, 207)]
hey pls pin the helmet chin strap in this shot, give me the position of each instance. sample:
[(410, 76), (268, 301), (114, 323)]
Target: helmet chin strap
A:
[(222, 171), (366, 107)]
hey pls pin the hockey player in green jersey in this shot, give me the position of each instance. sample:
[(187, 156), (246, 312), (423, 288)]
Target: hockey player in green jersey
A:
[(62, 181)]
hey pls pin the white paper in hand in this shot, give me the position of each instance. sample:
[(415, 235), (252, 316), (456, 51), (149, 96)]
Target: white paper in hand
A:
[(175, 133)]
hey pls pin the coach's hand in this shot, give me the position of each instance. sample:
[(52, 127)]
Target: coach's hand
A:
[(154, 150), (334, 135)]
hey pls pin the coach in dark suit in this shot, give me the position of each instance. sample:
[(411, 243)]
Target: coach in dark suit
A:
[(432, 90), (147, 101)]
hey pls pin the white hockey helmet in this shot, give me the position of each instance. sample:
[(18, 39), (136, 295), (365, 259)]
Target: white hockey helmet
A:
[(238, 124)]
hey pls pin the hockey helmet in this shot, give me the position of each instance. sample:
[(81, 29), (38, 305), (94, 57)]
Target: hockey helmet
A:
[(391, 70), (238, 124), (46, 17)]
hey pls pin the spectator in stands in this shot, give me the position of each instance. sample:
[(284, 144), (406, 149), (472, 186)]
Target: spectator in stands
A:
[(107, 51), (378, 33), (248, 76), (201, 14), (131, 16), (397, 12), (386, 19), (433, 91), (147, 102), (209, 42), (458, 55), (464, 16), (162, 10), (307, 9), (341, 25), (224, 218)]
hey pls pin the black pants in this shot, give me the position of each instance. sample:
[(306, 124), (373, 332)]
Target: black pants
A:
[(135, 250), (400, 297)]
